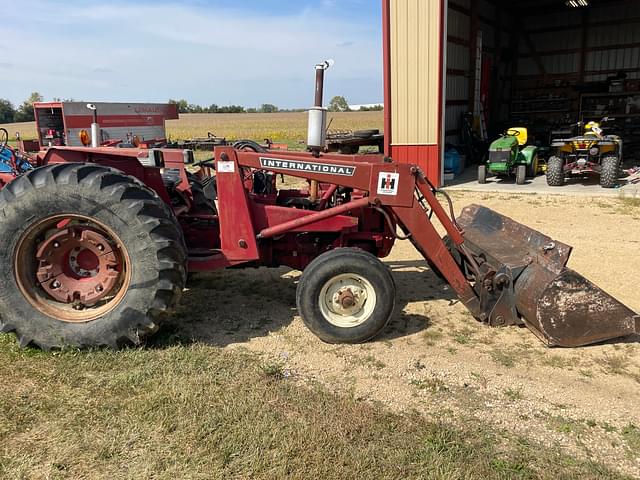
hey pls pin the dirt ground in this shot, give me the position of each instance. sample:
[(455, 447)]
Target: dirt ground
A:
[(436, 359)]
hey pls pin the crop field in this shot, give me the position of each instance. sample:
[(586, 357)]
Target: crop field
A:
[(286, 127)]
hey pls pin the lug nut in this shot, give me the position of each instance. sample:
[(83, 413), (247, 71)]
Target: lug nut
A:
[(56, 245), (99, 288), (55, 284), (101, 247)]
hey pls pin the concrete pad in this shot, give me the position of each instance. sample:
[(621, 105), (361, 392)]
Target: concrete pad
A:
[(584, 186)]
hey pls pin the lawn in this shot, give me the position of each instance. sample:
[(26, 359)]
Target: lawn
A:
[(194, 411)]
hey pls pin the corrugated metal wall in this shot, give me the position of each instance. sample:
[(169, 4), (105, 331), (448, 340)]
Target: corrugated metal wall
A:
[(415, 71), (612, 42)]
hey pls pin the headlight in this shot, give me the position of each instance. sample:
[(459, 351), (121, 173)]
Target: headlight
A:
[(594, 151)]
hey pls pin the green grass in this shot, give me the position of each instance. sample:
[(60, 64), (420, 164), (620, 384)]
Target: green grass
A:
[(198, 412)]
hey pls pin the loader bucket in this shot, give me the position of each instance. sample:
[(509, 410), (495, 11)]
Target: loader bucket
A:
[(528, 282)]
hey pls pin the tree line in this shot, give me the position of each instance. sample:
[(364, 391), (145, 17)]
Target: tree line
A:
[(185, 107), (24, 113)]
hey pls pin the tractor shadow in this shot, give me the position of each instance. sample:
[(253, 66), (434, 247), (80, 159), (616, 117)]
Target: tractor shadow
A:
[(235, 306)]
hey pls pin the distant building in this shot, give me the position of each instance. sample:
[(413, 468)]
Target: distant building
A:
[(355, 108)]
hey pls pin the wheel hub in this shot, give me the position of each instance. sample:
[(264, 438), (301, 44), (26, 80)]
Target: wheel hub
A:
[(77, 265), (348, 300)]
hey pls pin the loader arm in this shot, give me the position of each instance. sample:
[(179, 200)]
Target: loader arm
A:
[(505, 273)]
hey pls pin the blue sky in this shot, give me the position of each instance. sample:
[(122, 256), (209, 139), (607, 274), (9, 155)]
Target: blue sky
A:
[(244, 52)]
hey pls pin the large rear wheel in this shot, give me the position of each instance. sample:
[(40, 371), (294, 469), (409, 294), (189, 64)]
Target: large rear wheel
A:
[(91, 258), (346, 295)]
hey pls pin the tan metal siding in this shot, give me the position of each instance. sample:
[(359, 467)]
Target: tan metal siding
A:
[(415, 71)]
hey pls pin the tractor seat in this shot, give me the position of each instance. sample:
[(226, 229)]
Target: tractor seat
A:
[(520, 133), (171, 178)]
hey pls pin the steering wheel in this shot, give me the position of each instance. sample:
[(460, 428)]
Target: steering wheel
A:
[(513, 133), (4, 139)]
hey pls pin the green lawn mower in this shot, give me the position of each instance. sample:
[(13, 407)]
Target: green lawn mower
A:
[(507, 158)]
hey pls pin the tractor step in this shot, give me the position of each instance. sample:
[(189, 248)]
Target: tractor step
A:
[(524, 278)]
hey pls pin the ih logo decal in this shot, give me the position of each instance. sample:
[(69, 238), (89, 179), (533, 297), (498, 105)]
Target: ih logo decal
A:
[(388, 183)]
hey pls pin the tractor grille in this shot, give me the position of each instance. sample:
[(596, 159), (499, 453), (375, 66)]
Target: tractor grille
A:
[(499, 157)]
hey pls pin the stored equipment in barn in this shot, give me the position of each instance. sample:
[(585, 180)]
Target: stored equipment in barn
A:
[(506, 158), (590, 154)]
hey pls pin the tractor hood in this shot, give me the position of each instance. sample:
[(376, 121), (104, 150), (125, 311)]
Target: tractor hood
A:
[(504, 143)]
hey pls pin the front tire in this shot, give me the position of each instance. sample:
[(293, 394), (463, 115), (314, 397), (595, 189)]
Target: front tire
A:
[(90, 258), (609, 172), (555, 172), (521, 174), (346, 295), (482, 174)]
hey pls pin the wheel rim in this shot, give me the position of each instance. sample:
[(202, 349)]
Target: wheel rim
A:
[(72, 268), (347, 300)]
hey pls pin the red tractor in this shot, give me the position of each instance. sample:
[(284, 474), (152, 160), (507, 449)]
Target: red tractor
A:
[(97, 244)]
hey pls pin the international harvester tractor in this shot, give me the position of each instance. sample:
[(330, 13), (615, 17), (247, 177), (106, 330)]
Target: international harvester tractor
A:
[(97, 244)]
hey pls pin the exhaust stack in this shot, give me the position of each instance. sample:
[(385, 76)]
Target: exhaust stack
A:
[(316, 134), (95, 127)]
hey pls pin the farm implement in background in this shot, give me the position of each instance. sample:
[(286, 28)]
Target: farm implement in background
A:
[(97, 243)]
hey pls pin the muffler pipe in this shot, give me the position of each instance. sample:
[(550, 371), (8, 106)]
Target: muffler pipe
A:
[(316, 131)]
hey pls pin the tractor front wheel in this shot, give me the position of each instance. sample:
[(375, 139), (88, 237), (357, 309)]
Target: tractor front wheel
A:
[(521, 174), (482, 174), (609, 172), (346, 295), (555, 172), (90, 258)]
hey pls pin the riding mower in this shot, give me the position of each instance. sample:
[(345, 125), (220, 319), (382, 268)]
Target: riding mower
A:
[(592, 153), (506, 158)]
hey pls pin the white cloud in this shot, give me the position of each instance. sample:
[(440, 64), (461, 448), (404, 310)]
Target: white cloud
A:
[(91, 50)]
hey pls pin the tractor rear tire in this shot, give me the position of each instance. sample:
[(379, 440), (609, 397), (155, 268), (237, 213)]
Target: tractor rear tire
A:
[(610, 172), (555, 172), (521, 174), (482, 174), (47, 293), (346, 295)]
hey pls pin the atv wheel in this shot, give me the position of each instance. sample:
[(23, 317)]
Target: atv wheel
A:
[(90, 258), (609, 173), (346, 296), (555, 172), (482, 174), (521, 174), (532, 168)]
